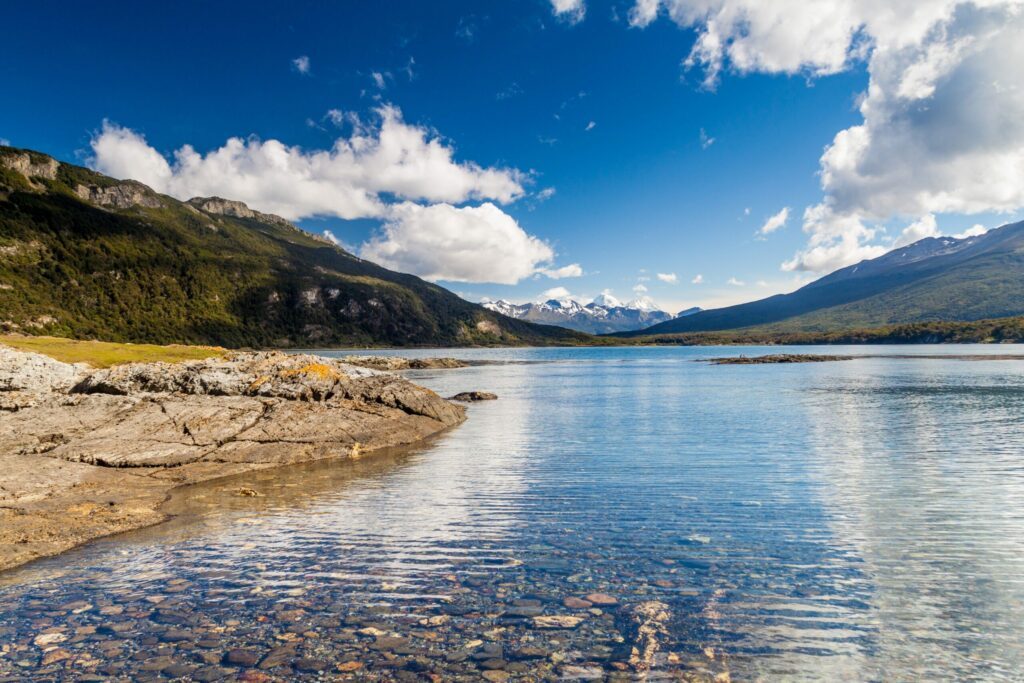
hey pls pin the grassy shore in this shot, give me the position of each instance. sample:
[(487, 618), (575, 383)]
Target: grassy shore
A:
[(105, 354)]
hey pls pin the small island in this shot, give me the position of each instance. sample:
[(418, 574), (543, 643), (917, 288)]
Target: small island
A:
[(777, 358)]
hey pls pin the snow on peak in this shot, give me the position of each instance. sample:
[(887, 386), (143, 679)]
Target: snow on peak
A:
[(607, 301), (643, 303)]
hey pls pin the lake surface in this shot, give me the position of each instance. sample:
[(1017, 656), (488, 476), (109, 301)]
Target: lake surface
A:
[(858, 520)]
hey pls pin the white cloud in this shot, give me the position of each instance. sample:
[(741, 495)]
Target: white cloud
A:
[(379, 80), (330, 236), (639, 288), (942, 127), (705, 139), (698, 279), (974, 231), (346, 181), (468, 244), (545, 194), (670, 278), (918, 230), (590, 126), (775, 222), (735, 283), (373, 173), (555, 293), (571, 270), (301, 64), (571, 10)]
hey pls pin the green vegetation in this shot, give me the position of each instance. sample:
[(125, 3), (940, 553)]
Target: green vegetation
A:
[(991, 331), (104, 354), (176, 274)]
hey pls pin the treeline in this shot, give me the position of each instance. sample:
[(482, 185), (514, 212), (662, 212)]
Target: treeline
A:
[(991, 331)]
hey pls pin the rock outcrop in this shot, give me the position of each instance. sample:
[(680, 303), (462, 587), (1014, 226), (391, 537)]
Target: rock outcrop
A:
[(228, 207), (393, 363), (25, 164), (124, 195), (115, 440)]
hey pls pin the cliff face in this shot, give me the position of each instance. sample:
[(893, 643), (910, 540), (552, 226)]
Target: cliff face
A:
[(84, 453)]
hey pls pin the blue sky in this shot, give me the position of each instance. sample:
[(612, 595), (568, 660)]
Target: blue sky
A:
[(624, 161)]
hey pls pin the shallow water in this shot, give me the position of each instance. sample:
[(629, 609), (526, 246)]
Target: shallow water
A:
[(856, 520)]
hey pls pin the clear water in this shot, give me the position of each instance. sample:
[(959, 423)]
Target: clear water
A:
[(858, 520)]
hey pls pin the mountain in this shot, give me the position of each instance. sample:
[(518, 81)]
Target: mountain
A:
[(934, 279), (602, 315), (83, 255), (689, 311)]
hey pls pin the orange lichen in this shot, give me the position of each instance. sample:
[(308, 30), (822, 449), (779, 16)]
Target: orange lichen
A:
[(319, 370)]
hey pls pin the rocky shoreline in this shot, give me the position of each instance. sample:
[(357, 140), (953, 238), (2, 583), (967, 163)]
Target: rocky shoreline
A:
[(87, 453)]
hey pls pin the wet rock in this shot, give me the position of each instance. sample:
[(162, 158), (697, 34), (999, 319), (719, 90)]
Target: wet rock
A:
[(279, 656), (496, 676), (175, 636), (577, 603), (531, 652), (557, 621), (601, 599), (472, 396), (209, 674), (239, 657), (310, 664), (349, 667)]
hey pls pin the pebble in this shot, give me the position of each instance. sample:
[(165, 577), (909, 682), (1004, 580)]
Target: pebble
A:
[(557, 621), (577, 603), (239, 657), (310, 664), (601, 599)]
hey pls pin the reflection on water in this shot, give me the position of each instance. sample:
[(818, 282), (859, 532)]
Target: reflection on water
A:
[(861, 520)]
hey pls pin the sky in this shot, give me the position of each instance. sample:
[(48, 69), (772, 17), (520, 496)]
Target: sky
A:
[(699, 152)]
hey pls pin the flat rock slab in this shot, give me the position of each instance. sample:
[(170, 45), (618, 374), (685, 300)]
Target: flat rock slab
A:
[(88, 453)]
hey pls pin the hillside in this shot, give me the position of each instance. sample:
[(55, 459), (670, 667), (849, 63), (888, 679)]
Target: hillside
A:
[(935, 279), (86, 256)]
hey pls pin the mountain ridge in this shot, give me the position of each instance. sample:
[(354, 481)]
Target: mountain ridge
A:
[(934, 279), (602, 315), (88, 256)]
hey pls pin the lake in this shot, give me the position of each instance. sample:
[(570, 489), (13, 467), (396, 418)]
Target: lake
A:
[(856, 520)]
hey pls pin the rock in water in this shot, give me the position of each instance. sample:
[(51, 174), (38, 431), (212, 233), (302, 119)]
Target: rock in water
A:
[(472, 396)]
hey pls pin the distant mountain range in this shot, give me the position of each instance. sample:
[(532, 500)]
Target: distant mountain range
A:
[(87, 256), (602, 315), (934, 279)]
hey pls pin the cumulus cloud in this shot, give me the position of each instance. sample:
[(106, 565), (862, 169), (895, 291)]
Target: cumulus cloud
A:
[(571, 270), (639, 288), (942, 127), (555, 293), (301, 64), (670, 278), (927, 226), (380, 171), (461, 244), (734, 282), (572, 11), (698, 279), (975, 230), (347, 180), (775, 222)]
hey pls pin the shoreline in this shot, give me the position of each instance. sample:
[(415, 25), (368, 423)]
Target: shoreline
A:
[(92, 453)]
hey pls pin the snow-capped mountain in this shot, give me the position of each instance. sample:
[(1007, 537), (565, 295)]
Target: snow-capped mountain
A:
[(603, 314)]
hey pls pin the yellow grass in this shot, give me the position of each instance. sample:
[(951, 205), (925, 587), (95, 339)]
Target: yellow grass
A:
[(104, 354)]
